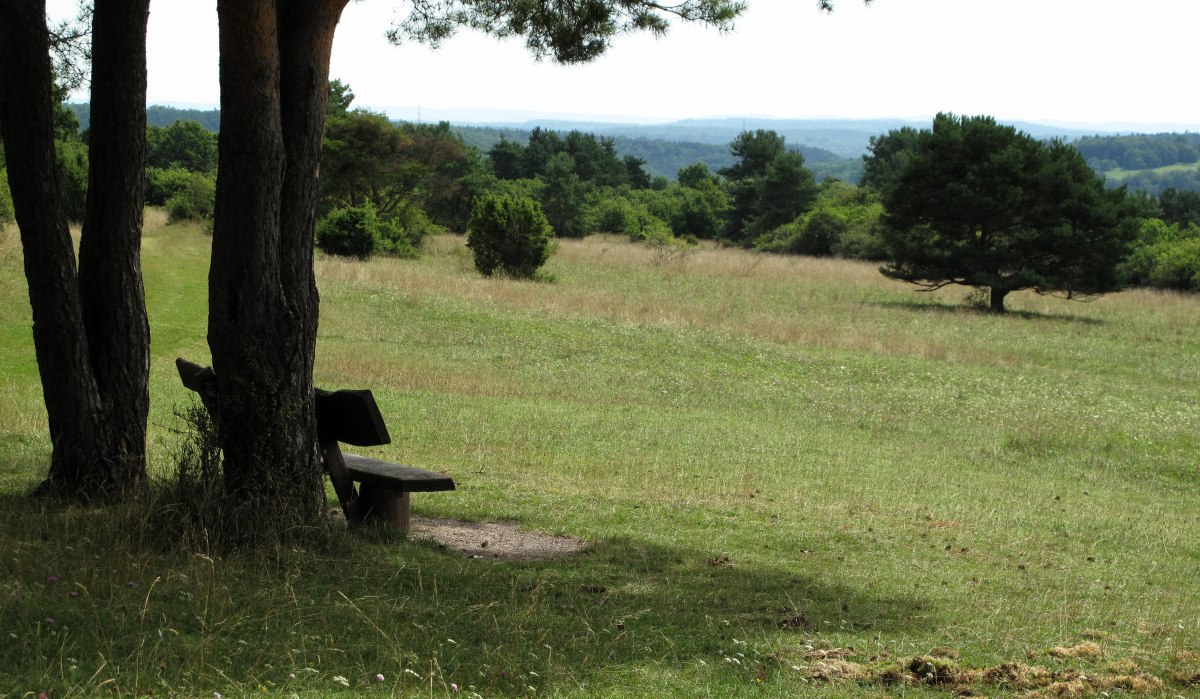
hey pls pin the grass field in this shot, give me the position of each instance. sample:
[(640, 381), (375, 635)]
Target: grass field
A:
[(796, 478), (1119, 174)]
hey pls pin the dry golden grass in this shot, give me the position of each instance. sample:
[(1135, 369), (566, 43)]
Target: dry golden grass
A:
[(740, 293)]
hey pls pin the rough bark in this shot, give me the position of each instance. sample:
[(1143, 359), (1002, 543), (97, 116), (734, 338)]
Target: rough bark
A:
[(90, 332), (110, 272), (262, 292), (69, 389), (997, 299)]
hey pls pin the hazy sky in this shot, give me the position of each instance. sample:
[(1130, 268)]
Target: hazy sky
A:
[(1078, 61)]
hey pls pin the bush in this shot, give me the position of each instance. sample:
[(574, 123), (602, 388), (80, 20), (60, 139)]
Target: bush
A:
[(1166, 256), (164, 183), (358, 231), (73, 178), (351, 231), (6, 206), (508, 234), (846, 221), (407, 227), (194, 201), (619, 215)]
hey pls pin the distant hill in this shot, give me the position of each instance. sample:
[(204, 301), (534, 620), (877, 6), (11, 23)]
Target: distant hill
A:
[(158, 115), (1146, 162), (842, 138), (664, 156), (831, 147)]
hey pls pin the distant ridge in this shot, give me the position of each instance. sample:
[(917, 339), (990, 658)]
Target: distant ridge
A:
[(845, 138)]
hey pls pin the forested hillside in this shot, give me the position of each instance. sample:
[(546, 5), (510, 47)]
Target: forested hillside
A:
[(1152, 163), (158, 115), (1140, 151), (666, 156)]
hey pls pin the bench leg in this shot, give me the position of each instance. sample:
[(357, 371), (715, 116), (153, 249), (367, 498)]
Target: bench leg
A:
[(388, 506)]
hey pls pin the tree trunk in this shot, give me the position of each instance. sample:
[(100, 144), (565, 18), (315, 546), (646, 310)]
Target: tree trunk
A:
[(69, 389), (110, 272), (262, 292), (90, 332), (997, 299)]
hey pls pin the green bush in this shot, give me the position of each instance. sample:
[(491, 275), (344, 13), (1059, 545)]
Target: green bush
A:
[(164, 183), (194, 201), (405, 228), (508, 234), (846, 221), (359, 231), (617, 214), (351, 231), (6, 205), (1165, 256), (73, 178)]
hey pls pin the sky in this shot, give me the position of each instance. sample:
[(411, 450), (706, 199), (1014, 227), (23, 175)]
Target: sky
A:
[(1069, 62)]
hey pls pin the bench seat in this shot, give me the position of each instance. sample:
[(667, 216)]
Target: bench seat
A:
[(349, 416), (382, 474)]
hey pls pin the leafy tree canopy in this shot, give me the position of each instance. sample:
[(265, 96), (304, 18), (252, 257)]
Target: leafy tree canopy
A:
[(770, 185), (568, 32), (184, 144), (975, 203)]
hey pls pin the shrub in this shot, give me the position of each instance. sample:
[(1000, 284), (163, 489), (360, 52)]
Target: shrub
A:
[(846, 221), (73, 178), (6, 205), (164, 183), (359, 231), (351, 231), (409, 224), (1165, 256), (508, 234), (194, 201)]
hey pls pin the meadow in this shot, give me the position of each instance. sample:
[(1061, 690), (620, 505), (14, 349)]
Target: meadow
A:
[(794, 477)]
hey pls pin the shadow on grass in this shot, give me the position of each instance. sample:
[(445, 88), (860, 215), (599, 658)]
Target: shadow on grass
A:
[(968, 309), (77, 593)]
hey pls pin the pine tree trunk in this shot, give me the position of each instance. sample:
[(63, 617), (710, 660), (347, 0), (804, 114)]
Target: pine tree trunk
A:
[(262, 292), (72, 402), (110, 272), (997, 299)]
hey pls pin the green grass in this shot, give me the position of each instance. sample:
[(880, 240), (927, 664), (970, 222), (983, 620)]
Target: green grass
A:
[(1119, 174), (778, 462)]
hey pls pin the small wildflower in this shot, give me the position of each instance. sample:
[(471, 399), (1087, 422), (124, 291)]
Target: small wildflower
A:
[(379, 677), (74, 594), (41, 695), (132, 584), (453, 687), (292, 676), (216, 695), (409, 671), (49, 621), (53, 580), (341, 680)]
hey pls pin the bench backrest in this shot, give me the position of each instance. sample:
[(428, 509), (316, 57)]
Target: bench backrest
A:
[(352, 417), (345, 416)]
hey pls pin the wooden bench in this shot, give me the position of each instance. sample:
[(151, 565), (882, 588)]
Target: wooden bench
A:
[(352, 417)]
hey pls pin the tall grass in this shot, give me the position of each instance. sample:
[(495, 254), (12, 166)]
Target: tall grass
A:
[(790, 470)]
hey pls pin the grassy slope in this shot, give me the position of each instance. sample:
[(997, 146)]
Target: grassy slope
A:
[(769, 454), (1118, 174)]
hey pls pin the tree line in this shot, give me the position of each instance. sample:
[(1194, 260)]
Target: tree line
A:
[(1139, 151), (387, 185)]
